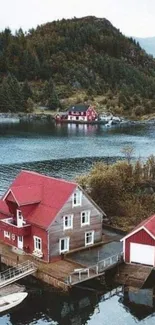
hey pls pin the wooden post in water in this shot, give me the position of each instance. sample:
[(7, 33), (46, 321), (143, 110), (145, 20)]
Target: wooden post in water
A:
[(0, 262)]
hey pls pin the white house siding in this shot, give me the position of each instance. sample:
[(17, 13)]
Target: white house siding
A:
[(74, 118)]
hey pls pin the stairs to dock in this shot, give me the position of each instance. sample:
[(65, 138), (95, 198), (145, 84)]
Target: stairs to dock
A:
[(16, 273)]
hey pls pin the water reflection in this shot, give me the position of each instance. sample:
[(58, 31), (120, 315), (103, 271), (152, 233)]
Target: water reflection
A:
[(43, 140), (47, 127), (78, 308), (46, 305), (139, 303), (66, 310)]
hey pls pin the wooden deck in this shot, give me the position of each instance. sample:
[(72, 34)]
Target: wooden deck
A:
[(58, 270), (63, 273), (134, 275)]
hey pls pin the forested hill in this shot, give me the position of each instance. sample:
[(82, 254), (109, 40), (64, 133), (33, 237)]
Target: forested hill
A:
[(86, 56)]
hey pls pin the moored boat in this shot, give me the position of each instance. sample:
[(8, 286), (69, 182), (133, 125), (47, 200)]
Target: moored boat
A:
[(12, 300)]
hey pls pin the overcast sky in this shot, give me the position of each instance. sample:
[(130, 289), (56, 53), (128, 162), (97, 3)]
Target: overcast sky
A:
[(132, 17)]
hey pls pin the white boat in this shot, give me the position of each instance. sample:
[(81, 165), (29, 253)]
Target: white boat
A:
[(10, 301), (105, 117)]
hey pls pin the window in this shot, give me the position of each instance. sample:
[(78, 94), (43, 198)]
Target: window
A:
[(64, 245), (19, 214), (89, 238), (77, 198), (13, 237), (68, 222), (37, 243), (85, 218), (7, 234)]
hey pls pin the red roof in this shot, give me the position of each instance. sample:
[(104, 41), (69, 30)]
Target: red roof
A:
[(148, 224), (24, 195), (4, 209), (50, 193)]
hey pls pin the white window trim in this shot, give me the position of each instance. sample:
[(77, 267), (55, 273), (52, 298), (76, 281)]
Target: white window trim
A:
[(39, 238), (92, 242), (68, 227), (79, 193), (19, 213), (88, 222), (6, 234), (68, 242)]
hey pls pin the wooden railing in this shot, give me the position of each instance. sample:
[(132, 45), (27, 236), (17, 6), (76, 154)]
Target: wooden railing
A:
[(15, 273), (86, 273)]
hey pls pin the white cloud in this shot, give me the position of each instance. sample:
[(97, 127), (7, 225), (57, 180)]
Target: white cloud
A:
[(132, 17)]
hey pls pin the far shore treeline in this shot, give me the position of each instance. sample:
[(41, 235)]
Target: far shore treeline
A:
[(72, 61), (124, 190)]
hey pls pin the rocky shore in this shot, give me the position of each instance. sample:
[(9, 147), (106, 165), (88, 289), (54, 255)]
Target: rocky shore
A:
[(17, 117), (25, 116)]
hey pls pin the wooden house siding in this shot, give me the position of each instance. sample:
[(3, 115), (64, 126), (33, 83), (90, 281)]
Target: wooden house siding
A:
[(77, 233), (140, 237)]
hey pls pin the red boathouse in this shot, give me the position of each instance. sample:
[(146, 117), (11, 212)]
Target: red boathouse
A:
[(139, 244)]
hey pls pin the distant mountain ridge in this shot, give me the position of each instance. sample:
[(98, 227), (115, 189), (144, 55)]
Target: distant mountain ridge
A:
[(148, 44), (85, 59)]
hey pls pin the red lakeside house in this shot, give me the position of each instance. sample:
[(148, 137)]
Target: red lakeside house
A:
[(139, 245), (82, 113), (47, 217)]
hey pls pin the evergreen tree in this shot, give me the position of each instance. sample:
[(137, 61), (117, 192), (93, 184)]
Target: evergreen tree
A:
[(5, 97), (26, 91), (15, 93), (10, 95), (50, 95)]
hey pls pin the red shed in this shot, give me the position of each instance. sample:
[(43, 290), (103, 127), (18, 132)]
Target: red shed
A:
[(139, 244)]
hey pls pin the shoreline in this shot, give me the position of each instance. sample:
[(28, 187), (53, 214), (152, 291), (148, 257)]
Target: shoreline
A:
[(50, 116), (26, 116)]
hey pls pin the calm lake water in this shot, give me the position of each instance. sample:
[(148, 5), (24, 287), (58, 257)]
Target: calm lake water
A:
[(66, 151)]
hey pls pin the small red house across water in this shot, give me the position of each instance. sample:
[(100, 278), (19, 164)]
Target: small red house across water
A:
[(79, 113), (48, 217), (139, 244)]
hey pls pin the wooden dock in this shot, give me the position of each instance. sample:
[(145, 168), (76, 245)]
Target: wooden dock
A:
[(88, 273), (62, 274), (134, 275)]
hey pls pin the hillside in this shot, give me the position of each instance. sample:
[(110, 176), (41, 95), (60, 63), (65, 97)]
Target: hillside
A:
[(148, 44), (84, 59)]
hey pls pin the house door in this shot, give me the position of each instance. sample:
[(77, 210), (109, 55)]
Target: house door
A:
[(20, 242), (64, 245), (19, 219)]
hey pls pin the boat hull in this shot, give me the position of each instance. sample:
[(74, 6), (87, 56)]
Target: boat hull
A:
[(10, 301)]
